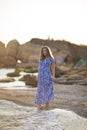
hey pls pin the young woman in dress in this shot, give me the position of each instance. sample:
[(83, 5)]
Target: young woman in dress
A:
[(46, 74)]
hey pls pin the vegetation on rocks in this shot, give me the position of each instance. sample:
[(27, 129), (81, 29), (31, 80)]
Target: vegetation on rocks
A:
[(28, 70), (7, 80), (16, 73)]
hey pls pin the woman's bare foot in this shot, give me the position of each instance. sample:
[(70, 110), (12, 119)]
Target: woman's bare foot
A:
[(47, 106), (39, 107)]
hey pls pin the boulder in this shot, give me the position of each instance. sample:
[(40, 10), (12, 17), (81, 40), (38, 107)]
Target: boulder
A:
[(16, 73), (72, 76), (2, 49), (11, 54), (63, 57), (2, 54), (12, 48), (10, 61), (30, 80), (28, 54)]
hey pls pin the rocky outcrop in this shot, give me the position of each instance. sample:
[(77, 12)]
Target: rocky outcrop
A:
[(63, 51), (30, 80), (28, 53), (12, 48), (17, 117), (9, 62), (8, 55), (71, 75), (70, 97), (62, 57), (67, 51), (11, 53), (16, 73), (2, 54), (2, 49)]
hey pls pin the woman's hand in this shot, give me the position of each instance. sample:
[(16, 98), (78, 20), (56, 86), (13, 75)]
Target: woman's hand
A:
[(53, 70), (53, 78)]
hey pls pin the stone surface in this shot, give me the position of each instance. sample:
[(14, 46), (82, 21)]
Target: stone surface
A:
[(70, 97), (11, 53), (12, 48), (2, 54), (71, 75), (2, 49), (30, 80), (28, 53), (16, 117)]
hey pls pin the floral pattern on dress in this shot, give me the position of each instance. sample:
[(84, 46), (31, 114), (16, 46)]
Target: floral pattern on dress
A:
[(45, 93)]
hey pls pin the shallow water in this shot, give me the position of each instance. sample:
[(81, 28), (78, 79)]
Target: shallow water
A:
[(16, 83)]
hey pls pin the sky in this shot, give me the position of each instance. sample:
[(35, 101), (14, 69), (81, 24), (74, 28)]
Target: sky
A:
[(56, 19)]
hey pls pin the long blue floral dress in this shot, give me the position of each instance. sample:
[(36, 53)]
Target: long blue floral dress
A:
[(45, 93)]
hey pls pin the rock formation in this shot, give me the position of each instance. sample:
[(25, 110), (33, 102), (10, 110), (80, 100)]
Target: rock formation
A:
[(17, 117), (28, 53), (11, 53), (2, 54)]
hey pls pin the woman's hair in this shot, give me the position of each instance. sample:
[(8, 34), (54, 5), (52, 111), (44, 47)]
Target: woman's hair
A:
[(49, 53)]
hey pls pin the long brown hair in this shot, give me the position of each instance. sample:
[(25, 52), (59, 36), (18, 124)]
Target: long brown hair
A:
[(49, 53)]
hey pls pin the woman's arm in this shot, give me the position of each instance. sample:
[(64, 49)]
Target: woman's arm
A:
[(53, 69)]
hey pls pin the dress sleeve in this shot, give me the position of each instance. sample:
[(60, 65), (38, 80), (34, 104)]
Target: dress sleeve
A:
[(52, 60)]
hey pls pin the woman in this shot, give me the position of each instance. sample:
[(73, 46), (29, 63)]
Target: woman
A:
[(46, 74)]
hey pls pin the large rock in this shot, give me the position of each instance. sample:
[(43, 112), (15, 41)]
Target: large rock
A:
[(11, 53), (30, 80), (63, 57), (2, 54), (16, 73), (70, 97), (10, 62), (63, 51), (28, 55), (12, 48), (71, 75), (2, 49), (17, 117)]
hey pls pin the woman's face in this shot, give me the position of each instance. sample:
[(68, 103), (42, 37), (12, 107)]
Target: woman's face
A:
[(44, 51)]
